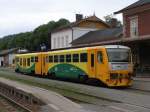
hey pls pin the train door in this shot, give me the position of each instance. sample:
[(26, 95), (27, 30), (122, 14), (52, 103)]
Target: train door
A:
[(38, 64), (91, 63), (101, 66), (44, 64)]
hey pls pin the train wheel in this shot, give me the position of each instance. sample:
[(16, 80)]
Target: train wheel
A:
[(17, 70), (51, 75), (83, 78)]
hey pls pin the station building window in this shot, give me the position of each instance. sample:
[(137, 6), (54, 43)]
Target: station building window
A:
[(134, 26)]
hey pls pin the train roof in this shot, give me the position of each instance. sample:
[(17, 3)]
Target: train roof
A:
[(95, 47), (77, 49)]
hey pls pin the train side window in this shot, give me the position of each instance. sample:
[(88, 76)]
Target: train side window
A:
[(83, 57), (55, 58), (75, 57), (28, 61), (24, 61), (99, 57), (62, 58), (68, 58), (21, 61), (92, 60), (36, 59), (32, 59), (17, 59), (51, 59)]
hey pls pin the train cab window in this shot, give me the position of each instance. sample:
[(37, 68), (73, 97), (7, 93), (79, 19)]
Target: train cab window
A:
[(83, 57), (28, 62), (55, 58), (32, 59), (36, 59), (68, 58), (51, 59), (75, 57), (62, 58), (99, 57)]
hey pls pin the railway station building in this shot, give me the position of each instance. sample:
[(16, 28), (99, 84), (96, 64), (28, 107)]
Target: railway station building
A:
[(135, 33), (63, 36)]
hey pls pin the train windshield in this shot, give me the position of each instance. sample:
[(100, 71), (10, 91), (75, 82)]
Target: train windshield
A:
[(118, 55)]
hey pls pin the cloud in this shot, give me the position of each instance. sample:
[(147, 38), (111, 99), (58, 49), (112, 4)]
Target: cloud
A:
[(25, 15)]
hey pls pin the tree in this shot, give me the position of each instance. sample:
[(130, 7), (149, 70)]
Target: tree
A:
[(32, 40), (112, 21)]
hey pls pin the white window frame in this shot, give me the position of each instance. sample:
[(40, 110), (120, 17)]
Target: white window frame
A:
[(54, 43), (134, 26), (66, 41)]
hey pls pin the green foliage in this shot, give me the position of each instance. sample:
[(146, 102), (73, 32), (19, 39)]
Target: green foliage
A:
[(109, 18), (32, 40)]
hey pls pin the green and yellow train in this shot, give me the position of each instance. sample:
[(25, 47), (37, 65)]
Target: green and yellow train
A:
[(110, 64)]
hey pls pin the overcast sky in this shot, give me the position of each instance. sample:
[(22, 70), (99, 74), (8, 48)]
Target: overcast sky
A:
[(25, 15)]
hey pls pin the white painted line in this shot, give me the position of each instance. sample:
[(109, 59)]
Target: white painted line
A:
[(54, 106), (120, 109)]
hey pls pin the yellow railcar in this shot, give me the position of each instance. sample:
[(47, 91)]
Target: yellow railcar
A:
[(110, 64)]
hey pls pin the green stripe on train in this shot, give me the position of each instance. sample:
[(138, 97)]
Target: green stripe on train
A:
[(26, 70), (66, 71)]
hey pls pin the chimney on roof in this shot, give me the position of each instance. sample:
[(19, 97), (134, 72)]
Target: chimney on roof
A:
[(79, 17)]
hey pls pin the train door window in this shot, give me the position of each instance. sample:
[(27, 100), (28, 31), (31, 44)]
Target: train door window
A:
[(55, 58), (47, 59), (62, 58), (21, 61), (32, 59), (36, 59), (68, 58), (28, 61), (75, 57), (92, 60), (99, 57), (83, 57), (51, 59)]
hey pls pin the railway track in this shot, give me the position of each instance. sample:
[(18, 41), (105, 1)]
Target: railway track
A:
[(138, 91), (9, 105)]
